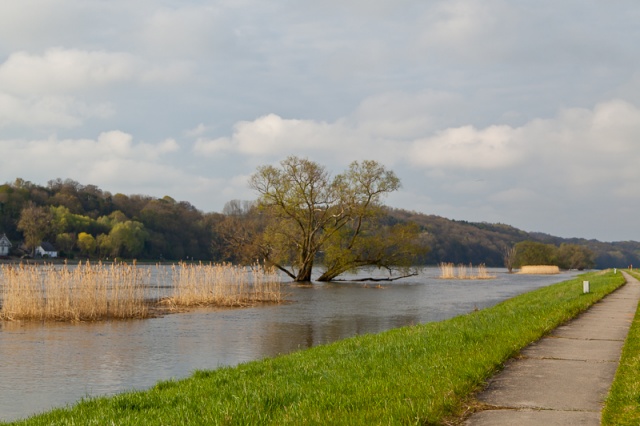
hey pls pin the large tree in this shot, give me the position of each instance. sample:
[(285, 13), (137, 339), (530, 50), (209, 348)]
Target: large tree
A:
[(238, 233), (35, 224), (309, 213), (87, 243), (573, 256), (127, 238), (535, 253)]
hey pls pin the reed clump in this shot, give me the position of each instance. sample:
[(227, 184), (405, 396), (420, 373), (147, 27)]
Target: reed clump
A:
[(222, 285), (92, 292), (539, 269), (464, 272), (86, 292)]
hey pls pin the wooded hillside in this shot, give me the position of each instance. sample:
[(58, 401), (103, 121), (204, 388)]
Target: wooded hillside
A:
[(84, 220), (469, 242)]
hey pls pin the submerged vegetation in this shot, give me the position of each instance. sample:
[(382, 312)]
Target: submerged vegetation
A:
[(221, 285), (84, 293), (464, 272), (422, 374), (90, 292)]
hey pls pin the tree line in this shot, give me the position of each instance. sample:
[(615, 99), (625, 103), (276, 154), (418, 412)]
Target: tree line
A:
[(83, 220), (302, 217)]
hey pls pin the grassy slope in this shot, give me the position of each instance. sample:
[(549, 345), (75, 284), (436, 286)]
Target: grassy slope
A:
[(623, 402), (413, 375)]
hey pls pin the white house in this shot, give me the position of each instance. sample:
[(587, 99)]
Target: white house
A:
[(46, 249), (5, 245)]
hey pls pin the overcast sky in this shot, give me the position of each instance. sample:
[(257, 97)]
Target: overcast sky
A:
[(519, 112)]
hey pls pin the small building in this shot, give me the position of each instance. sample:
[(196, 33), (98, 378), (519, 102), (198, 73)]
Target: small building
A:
[(5, 245), (46, 249)]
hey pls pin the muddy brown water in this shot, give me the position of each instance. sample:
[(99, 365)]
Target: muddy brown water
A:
[(46, 365)]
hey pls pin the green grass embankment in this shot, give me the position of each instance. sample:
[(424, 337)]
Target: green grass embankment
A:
[(623, 402), (420, 374)]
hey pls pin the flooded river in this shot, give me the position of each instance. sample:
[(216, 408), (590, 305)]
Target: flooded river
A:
[(55, 364)]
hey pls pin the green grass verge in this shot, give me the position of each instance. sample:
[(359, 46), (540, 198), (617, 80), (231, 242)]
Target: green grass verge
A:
[(623, 402), (420, 374)]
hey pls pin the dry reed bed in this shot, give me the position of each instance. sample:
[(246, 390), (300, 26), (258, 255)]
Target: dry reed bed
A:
[(85, 293), (464, 272), (90, 292), (539, 269), (221, 285)]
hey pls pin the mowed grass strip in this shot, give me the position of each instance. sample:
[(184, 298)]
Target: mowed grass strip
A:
[(419, 374), (623, 402)]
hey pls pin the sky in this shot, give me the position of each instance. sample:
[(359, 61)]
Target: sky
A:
[(523, 112)]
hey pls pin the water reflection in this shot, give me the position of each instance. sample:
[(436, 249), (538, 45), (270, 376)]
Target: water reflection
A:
[(54, 364)]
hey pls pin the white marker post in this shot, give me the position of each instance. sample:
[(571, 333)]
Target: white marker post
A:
[(585, 286)]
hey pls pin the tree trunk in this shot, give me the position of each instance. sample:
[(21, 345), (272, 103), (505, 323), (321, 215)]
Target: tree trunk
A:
[(328, 276), (304, 274)]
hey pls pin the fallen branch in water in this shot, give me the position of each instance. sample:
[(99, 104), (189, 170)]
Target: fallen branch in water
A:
[(379, 279)]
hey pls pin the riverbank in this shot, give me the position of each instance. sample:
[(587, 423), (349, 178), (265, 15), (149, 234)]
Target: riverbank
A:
[(418, 374), (563, 378)]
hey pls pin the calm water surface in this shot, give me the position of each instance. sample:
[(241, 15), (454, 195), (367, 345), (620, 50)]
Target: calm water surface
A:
[(51, 365)]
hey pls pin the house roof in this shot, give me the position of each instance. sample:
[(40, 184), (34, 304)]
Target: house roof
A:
[(4, 241), (46, 246)]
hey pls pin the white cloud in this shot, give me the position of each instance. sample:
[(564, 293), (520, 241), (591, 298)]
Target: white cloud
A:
[(273, 135), (77, 156), (570, 154), (58, 88), (64, 70), (197, 131), (167, 146), (120, 145), (272, 138), (467, 147), (48, 111), (380, 128), (583, 146)]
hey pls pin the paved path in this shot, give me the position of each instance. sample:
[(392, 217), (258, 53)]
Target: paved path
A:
[(563, 378)]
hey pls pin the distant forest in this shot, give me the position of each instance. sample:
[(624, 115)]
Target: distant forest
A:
[(85, 221)]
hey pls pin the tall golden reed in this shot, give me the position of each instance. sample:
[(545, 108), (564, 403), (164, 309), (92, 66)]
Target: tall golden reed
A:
[(84, 293), (448, 271), (90, 292), (539, 269), (222, 285)]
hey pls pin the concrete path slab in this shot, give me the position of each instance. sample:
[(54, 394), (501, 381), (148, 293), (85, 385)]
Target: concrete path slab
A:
[(550, 384), (574, 349), (563, 378), (535, 417), (595, 330)]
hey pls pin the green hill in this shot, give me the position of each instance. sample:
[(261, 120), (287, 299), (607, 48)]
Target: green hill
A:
[(480, 242)]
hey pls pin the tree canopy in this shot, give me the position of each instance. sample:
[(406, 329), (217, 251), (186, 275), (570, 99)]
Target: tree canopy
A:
[(175, 230), (567, 256), (120, 225), (310, 215)]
